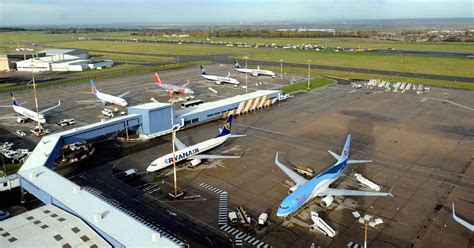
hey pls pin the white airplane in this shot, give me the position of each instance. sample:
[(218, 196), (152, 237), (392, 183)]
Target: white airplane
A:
[(194, 153), (172, 89), (254, 72), (107, 99), (27, 113), (306, 190), (218, 79), (462, 222)]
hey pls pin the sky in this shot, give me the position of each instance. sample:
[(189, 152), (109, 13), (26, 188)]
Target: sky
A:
[(89, 12)]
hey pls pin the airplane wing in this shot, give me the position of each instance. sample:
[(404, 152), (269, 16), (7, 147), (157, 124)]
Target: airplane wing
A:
[(462, 222), (180, 145), (206, 156), (124, 94), (6, 117), (289, 172), (51, 108), (186, 84), (89, 101), (334, 192)]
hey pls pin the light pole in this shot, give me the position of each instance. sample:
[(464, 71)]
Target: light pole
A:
[(309, 72), (281, 68), (246, 87)]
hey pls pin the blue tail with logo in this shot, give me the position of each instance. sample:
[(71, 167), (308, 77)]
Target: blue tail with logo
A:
[(345, 150), (236, 64), (227, 127), (13, 99), (203, 71), (93, 88)]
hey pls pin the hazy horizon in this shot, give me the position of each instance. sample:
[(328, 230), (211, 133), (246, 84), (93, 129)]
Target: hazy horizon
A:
[(147, 12)]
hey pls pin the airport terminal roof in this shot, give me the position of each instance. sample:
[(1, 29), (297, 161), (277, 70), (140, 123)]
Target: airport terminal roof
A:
[(219, 103), (115, 223), (152, 105), (48, 226)]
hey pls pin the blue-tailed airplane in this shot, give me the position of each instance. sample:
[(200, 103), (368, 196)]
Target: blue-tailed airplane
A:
[(306, 190)]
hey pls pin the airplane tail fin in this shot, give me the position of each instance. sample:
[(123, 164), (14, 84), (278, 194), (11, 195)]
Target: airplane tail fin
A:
[(227, 127), (236, 64), (157, 78), (345, 151), (345, 154), (203, 71), (93, 88), (13, 99)]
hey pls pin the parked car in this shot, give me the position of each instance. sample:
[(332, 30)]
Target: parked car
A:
[(40, 131), (21, 133), (66, 122), (4, 214)]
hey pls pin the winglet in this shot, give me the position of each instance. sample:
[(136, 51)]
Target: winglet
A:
[(236, 64), (157, 78), (13, 99), (228, 74), (390, 192), (203, 71), (227, 127)]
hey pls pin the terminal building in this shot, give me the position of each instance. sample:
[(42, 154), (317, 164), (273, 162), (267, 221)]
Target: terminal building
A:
[(61, 60), (156, 118), (115, 225)]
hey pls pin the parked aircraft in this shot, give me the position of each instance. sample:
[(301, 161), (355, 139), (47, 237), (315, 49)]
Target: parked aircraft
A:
[(172, 89), (218, 79), (107, 99), (194, 153), (306, 190), (254, 72), (27, 113)]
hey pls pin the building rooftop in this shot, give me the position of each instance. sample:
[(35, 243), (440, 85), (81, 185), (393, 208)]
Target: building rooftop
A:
[(48, 226), (236, 99), (49, 52), (123, 228), (152, 105)]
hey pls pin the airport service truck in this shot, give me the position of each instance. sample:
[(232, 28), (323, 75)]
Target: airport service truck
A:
[(304, 170)]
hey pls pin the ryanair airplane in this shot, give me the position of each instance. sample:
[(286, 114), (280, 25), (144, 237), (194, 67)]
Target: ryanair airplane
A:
[(194, 153), (254, 72), (27, 113), (218, 79), (306, 190)]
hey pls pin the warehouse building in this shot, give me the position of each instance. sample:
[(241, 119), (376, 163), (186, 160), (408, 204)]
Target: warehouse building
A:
[(62, 60), (8, 60)]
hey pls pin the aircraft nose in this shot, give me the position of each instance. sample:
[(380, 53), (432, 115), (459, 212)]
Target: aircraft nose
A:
[(151, 168)]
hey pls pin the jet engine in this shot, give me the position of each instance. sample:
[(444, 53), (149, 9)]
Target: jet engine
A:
[(194, 162), (327, 201), (218, 82), (255, 74)]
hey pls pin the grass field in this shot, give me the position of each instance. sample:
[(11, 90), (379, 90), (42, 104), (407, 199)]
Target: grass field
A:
[(153, 48), (313, 84), (353, 75), (4, 85), (404, 63), (125, 58)]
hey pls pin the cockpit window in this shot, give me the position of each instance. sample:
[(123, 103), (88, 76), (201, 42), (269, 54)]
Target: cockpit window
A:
[(282, 207)]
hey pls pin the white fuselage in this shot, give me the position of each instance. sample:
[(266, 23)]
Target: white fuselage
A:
[(111, 99), (185, 154), (176, 89), (29, 114), (256, 72), (220, 80)]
